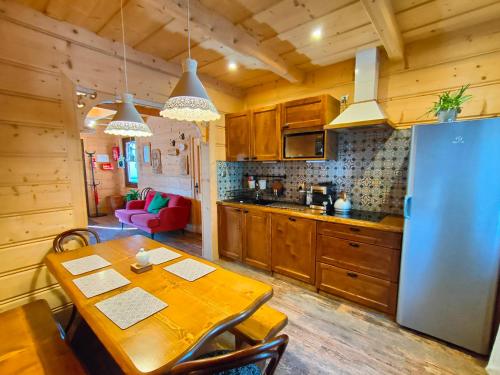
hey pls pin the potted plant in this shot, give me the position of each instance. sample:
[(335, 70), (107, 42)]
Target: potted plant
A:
[(132, 195), (449, 104)]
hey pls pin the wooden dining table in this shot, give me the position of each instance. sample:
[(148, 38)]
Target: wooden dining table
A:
[(197, 311)]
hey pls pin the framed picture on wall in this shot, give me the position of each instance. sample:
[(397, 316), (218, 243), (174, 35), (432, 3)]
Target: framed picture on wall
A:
[(146, 153)]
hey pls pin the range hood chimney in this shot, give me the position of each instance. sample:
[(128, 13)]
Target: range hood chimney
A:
[(365, 111)]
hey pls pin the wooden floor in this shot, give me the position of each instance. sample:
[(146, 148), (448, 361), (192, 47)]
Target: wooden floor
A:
[(109, 228), (332, 336)]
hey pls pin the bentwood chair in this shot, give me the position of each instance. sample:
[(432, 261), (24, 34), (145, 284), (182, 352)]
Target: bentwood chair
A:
[(79, 233), (58, 245), (144, 193), (241, 362)]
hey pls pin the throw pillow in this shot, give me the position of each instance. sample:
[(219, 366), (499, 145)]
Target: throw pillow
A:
[(157, 203)]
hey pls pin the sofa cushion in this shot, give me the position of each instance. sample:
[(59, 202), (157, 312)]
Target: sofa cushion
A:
[(159, 201), (176, 200), (124, 215), (146, 220), (149, 198)]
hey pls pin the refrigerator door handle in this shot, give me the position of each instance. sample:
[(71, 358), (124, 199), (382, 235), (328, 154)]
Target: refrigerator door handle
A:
[(407, 206)]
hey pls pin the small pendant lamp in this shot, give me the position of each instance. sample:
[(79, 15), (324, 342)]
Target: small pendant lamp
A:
[(189, 100), (127, 121)]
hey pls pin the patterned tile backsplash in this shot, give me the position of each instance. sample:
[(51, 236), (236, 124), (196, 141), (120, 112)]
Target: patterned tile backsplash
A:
[(372, 166)]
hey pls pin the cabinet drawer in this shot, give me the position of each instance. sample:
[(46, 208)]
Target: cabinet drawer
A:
[(366, 290), (371, 260), (361, 234)]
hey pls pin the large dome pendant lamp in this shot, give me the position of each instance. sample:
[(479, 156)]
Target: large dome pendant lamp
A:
[(189, 100), (127, 122)]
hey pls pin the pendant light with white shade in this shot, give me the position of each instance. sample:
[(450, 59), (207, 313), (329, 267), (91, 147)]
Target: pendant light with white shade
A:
[(127, 122), (189, 100)]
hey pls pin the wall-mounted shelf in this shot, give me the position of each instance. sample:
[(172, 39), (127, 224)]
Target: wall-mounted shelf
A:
[(283, 176)]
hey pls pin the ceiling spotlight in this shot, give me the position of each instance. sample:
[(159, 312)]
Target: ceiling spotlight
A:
[(232, 66), (317, 33), (79, 102)]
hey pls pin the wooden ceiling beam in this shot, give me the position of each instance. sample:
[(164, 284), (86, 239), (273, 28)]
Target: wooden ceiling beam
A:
[(219, 28), (384, 20)]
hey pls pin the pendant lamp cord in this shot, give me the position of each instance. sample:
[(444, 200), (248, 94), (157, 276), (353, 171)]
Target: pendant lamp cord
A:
[(124, 49), (189, 32)]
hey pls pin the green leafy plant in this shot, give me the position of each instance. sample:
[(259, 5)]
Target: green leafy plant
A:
[(132, 195), (450, 100)]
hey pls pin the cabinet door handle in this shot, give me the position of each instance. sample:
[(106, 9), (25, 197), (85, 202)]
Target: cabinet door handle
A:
[(254, 158), (352, 244), (246, 158), (354, 229), (245, 211), (292, 219), (352, 274)]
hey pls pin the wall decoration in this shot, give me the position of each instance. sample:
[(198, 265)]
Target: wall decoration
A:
[(121, 162), (115, 151), (107, 166), (156, 160), (176, 165), (102, 158), (172, 151), (146, 153)]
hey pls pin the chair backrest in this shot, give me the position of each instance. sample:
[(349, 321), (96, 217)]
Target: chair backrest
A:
[(144, 193), (270, 351), (76, 232)]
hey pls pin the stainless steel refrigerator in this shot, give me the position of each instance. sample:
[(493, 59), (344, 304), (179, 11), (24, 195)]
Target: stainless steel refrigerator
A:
[(451, 241)]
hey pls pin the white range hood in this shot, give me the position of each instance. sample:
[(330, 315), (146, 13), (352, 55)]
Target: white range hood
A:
[(365, 111)]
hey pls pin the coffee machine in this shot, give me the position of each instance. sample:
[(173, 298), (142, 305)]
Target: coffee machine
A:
[(321, 193)]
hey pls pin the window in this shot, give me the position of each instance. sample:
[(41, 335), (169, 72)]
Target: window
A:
[(129, 152)]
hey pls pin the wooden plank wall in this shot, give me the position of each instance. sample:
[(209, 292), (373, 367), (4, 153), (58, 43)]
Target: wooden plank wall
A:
[(41, 194), (41, 179), (407, 89), (171, 180), (110, 182)]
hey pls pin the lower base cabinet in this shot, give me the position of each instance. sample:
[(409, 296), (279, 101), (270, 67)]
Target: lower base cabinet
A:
[(294, 247), (366, 290), (230, 224), (257, 239), (245, 235)]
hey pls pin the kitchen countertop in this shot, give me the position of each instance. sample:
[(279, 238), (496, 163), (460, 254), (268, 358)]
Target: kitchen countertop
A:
[(390, 223)]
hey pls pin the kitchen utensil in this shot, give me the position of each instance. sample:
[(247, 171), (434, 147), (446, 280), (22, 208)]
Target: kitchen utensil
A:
[(342, 204)]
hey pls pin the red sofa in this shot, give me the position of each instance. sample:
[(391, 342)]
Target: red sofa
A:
[(173, 217)]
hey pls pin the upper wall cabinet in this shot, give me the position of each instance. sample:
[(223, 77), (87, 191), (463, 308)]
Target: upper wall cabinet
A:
[(313, 112), (253, 135), (265, 133), (238, 136)]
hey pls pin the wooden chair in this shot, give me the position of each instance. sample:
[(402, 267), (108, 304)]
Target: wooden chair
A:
[(31, 343), (76, 232), (58, 246), (144, 193), (244, 361), (263, 324)]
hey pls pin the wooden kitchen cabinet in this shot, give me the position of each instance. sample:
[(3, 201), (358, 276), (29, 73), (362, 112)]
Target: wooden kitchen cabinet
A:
[(368, 259), (238, 136), (265, 133), (366, 290), (230, 228), (253, 135), (293, 247), (257, 238), (311, 112)]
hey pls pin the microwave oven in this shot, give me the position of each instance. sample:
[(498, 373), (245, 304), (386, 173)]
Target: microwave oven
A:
[(310, 145)]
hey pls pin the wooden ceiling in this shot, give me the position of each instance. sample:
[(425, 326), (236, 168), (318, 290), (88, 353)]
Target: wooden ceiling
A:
[(269, 39)]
